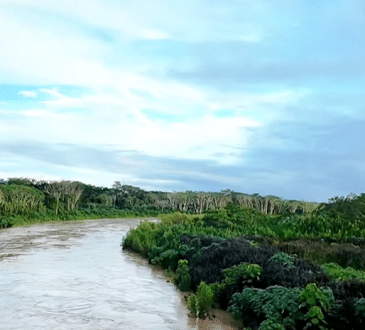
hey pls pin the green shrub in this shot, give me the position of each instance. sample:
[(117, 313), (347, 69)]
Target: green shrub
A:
[(315, 300), (182, 278), (312, 296), (248, 272), (254, 244), (271, 325), (283, 258), (178, 218), (4, 223), (192, 304), (360, 307), (204, 300), (276, 303), (342, 274), (219, 290), (143, 238), (167, 259)]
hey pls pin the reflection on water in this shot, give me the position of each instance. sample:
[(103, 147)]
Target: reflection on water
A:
[(74, 275)]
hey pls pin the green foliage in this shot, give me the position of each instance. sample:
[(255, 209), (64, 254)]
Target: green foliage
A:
[(360, 307), (244, 271), (218, 290), (312, 296), (273, 303), (192, 304), (19, 199), (282, 306), (315, 314), (200, 303), (283, 258), (4, 223), (271, 325), (254, 244), (342, 274), (166, 259), (142, 239), (216, 216), (179, 218), (350, 207), (182, 278), (315, 300)]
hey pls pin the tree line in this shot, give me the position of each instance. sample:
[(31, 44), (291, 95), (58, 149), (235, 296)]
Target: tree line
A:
[(24, 196)]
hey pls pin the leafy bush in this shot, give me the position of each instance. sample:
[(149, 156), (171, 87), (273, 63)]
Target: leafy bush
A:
[(284, 259), (271, 325), (182, 278), (178, 218), (345, 252), (342, 274), (315, 300), (244, 270), (360, 307), (219, 293), (350, 256), (192, 304), (207, 262), (167, 259), (344, 314), (303, 273), (281, 308), (203, 300), (4, 223), (142, 239), (312, 296), (276, 304)]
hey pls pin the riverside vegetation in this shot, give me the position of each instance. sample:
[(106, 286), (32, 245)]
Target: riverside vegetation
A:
[(271, 271), (25, 201), (272, 263)]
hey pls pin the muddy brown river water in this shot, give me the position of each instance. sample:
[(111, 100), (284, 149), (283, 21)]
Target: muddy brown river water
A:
[(74, 275)]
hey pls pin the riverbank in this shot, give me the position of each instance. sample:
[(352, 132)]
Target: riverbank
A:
[(17, 220), (73, 275), (229, 258), (51, 246), (217, 319)]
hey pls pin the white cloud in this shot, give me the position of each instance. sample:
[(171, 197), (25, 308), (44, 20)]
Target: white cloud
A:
[(141, 19), (28, 94), (116, 117), (37, 54), (154, 34), (103, 124), (52, 91), (131, 104), (35, 113)]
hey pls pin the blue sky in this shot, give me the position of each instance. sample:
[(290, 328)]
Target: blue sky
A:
[(255, 96)]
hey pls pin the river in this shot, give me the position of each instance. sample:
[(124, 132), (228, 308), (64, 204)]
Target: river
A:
[(74, 275)]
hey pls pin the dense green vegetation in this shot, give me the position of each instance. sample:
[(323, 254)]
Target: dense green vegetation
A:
[(26, 201), (259, 266), (273, 263)]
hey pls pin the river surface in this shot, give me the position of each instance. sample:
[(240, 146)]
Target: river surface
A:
[(75, 275)]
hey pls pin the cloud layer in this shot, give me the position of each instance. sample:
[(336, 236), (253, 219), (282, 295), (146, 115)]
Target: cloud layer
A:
[(254, 96)]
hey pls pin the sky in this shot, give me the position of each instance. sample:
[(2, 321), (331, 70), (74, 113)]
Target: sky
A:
[(254, 96)]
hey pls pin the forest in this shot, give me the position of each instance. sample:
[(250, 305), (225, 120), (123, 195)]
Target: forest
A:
[(24, 200)]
